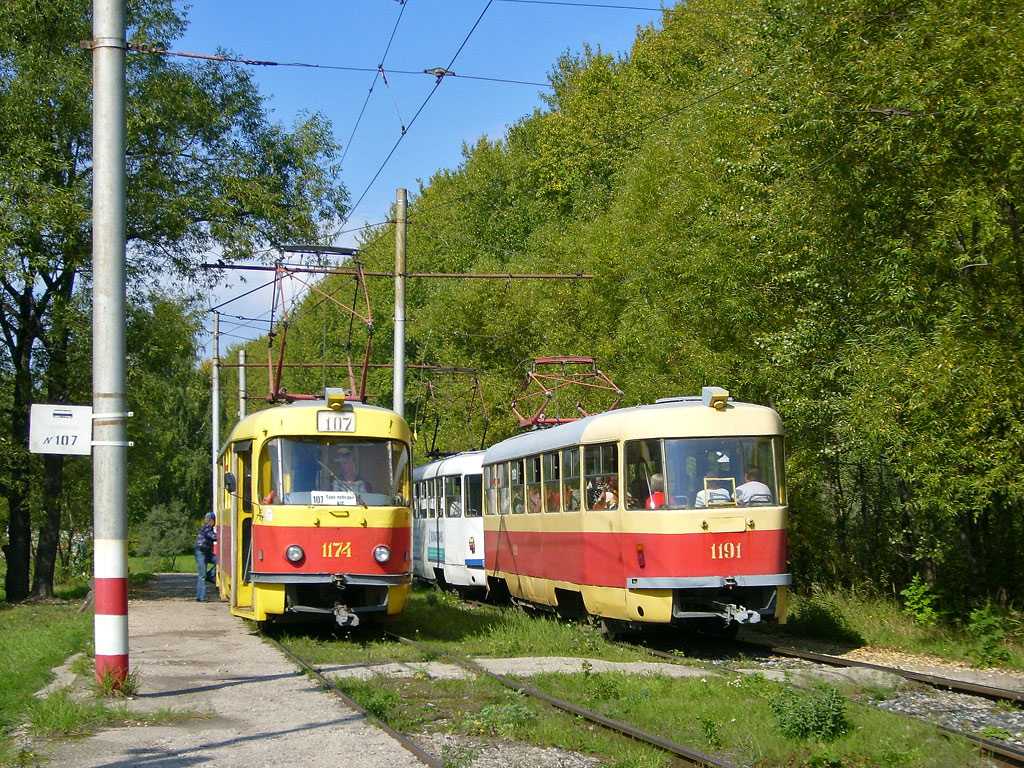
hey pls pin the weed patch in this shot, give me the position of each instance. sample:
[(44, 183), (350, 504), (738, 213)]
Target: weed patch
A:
[(820, 715)]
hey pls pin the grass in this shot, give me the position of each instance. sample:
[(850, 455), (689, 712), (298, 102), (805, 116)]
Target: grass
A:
[(444, 622), (483, 710), (172, 564), (851, 619), (35, 638), (745, 719), (739, 718)]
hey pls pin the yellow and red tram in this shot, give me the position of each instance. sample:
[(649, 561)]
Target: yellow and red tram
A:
[(314, 513), (671, 513)]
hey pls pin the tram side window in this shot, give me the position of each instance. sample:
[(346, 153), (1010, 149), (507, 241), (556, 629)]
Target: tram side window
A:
[(417, 493), (504, 489), (473, 492), (516, 492), (601, 475), (490, 491), (552, 499), (571, 479), (533, 491), (453, 496), (245, 472), (645, 475), (432, 498), (401, 478)]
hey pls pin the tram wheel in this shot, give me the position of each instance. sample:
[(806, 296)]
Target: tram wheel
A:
[(611, 630)]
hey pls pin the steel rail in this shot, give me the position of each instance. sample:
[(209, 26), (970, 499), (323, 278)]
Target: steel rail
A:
[(960, 686), (1002, 754), (424, 757), (695, 758)]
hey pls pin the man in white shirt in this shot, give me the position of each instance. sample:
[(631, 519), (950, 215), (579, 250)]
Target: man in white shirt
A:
[(753, 491), (713, 493)]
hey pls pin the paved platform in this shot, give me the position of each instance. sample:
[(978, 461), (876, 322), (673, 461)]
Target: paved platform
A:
[(240, 702)]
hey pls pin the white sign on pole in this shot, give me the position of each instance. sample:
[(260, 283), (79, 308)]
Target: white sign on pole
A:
[(60, 429)]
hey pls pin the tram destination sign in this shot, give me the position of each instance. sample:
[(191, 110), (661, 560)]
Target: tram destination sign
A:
[(335, 421), (65, 429)]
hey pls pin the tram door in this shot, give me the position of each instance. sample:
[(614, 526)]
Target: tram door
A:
[(435, 525), (241, 529)]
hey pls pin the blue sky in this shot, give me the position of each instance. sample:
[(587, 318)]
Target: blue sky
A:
[(346, 40)]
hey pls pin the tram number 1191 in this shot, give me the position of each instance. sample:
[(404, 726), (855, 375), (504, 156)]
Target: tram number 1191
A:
[(726, 550)]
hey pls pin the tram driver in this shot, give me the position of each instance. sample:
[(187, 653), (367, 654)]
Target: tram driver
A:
[(344, 475), (714, 491)]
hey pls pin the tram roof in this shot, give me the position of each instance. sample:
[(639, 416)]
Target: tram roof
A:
[(299, 418), (459, 464), (677, 417)]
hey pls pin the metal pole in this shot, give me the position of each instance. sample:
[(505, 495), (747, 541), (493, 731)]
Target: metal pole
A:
[(110, 522), (243, 393), (215, 410), (398, 402)]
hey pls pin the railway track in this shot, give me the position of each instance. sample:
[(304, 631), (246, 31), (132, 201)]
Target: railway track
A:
[(422, 755), (959, 686), (1001, 754), (682, 753), (687, 755)]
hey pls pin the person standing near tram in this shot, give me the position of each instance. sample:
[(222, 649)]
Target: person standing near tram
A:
[(205, 559)]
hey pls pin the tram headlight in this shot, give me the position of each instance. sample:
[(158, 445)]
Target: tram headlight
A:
[(294, 553), (381, 553)]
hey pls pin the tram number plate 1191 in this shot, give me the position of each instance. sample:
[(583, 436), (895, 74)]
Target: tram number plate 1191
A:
[(332, 421)]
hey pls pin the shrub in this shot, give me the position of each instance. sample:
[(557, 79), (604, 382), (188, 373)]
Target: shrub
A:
[(820, 715), (987, 626), (919, 602)]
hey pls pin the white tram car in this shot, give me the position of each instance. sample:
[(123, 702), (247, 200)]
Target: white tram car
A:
[(448, 530)]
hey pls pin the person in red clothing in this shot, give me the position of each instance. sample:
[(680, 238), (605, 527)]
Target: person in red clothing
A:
[(657, 498)]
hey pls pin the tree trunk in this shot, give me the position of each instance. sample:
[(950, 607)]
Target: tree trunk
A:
[(19, 526), (49, 527)]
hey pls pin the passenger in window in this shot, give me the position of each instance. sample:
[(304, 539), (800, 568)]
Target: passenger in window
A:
[(753, 491), (609, 496), (713, 492), (572, 504), (657, 498), (552, 499), (535, 499)]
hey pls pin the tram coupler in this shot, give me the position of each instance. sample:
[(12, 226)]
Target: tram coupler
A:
[(737, 613), (345, 617)]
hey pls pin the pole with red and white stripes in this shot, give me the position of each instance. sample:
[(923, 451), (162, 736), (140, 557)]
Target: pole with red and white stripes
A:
[(110, 526)]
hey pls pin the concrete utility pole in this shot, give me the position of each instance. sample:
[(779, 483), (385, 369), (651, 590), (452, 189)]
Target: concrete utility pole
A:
[(243, 391), (110, 522), (215, 410), (398, 402)]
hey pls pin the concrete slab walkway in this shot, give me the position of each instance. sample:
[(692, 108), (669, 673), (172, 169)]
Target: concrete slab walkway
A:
[(252, 706)]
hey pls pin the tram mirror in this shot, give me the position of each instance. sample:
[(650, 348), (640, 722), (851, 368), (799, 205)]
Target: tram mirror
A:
[(229, 482)]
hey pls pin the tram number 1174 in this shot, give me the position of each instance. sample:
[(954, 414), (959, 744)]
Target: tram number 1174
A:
[(726, 550), (337, 549)]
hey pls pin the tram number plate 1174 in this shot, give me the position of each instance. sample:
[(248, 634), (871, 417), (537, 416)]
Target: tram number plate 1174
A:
[(332, 421)]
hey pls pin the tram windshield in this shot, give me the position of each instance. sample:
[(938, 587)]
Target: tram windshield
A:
[(334, 472), (693, 473)]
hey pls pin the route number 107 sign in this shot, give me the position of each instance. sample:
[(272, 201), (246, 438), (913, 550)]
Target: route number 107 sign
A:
[(335, 421), (65, 429)]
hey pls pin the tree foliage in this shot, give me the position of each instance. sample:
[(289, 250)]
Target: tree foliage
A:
[(206, 170), (818, 208)]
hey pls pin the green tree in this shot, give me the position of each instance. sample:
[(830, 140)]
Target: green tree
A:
[(206, 170)]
